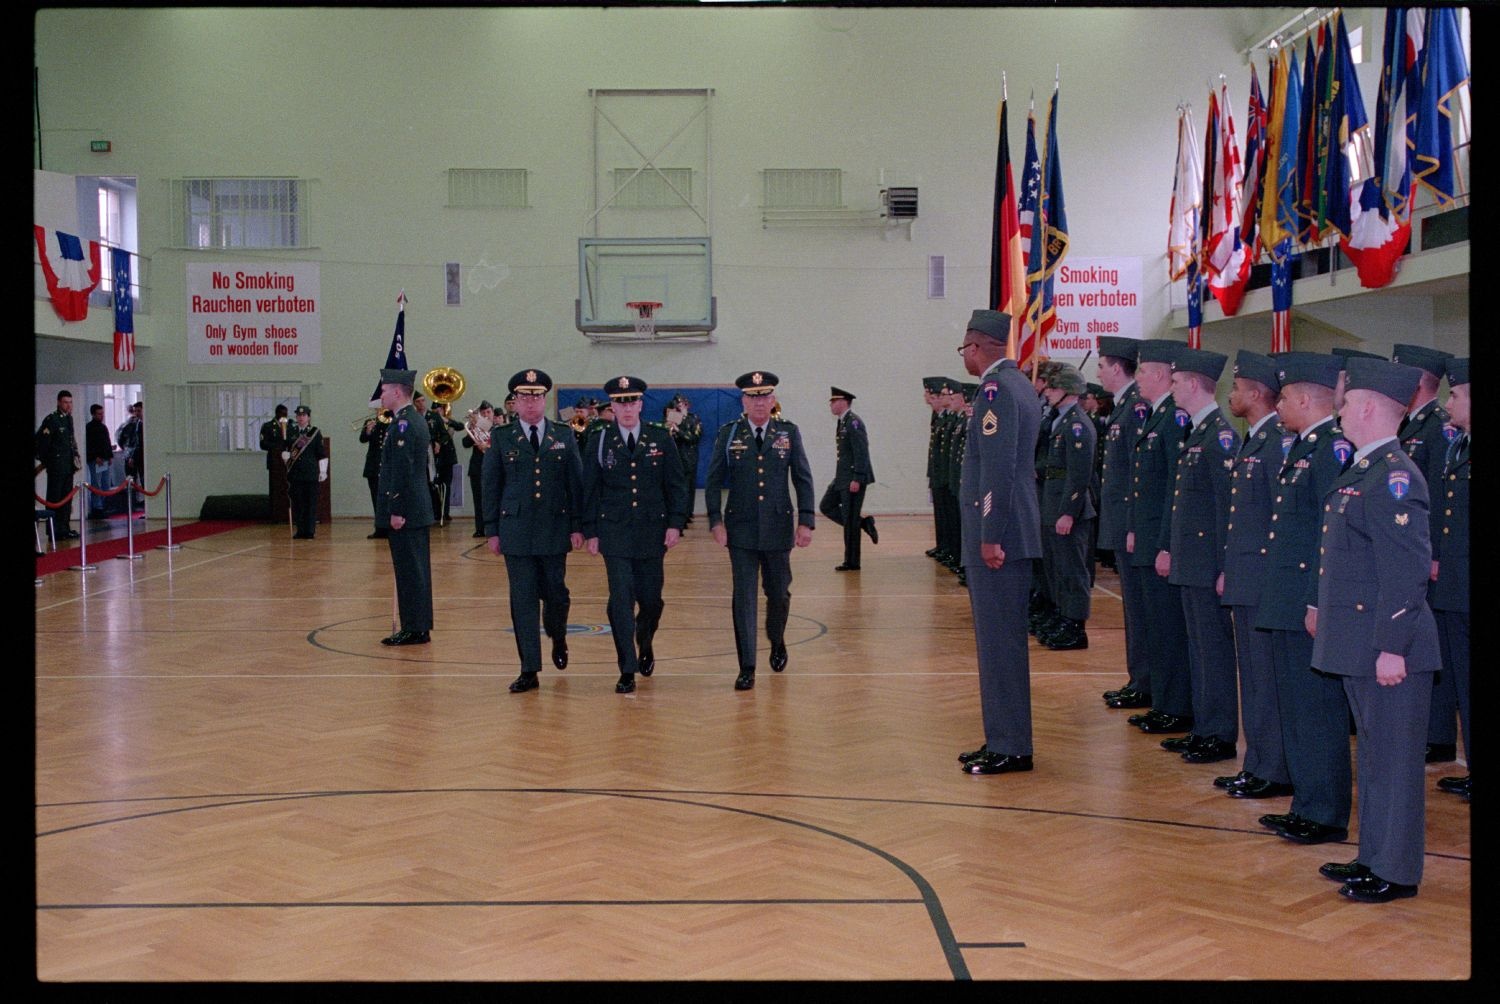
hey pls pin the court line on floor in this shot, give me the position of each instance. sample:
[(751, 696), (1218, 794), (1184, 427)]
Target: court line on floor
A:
[(505, 674), (134, 580)]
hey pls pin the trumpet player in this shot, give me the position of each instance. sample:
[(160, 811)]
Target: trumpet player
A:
[(440, 427), (306, 458), (373, 435), (273, 440), (477, 430)]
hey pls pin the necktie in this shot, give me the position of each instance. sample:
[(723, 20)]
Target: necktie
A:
[(760, 441), (536, 444), (630, 442)]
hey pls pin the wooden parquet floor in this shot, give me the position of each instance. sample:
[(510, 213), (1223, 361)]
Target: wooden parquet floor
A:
[(235, 781)]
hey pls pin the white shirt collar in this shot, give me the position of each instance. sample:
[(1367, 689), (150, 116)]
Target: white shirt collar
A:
[(1202, 413), (1327, 420), (1268, 416), (1365, 451)]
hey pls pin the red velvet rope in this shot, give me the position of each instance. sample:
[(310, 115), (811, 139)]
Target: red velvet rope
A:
[(101, 492), (155, 492), (59, 503)]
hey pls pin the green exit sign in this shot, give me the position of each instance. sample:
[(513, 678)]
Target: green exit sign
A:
[(99, 146)]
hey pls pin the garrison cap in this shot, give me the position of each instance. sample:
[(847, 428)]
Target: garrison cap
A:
[(483, 404), (994, 323), (625, 388), (1431, 360), (1254, 366), (1159, 350), (530, 382), (406, 378), (1344, 355), (1396, 381), (756, 382), (834, 393), (1309, 367), (1096, 390), (303, 409), (1121, 348), (1457, 369), (969, 390), (510, 397), (1202, 361), (1065, 377)]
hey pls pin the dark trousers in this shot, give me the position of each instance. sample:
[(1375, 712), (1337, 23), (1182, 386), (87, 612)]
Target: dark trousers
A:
[(304, 499), (1314, 731), (1215, 695), (774, 569), (1166, 637), (842, 507), (476, 490), (537, 579), (59, 483), (1392, 723), (635, 605), (442, 494), (997, 601), (937, 517), (1137, 644), (413, 564), (1264, 755), (1067, 562), (1453, 637), (374, 483)]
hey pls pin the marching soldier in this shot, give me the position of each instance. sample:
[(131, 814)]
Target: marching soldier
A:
[(1374, 631), (404, 507), (1067, 508), (1153, 472), (1195, 557), (1450, 593), (306, 460), (635, 504), (754, 459), (1256, 468), (445, 455), (484, 423), (533, 498), (687, 433), (852, 475), (1117, 364), (1314, 711), (57, 448)]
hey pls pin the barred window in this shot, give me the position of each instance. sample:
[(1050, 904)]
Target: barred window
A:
[(803, 187), (240, 212), (226, 417), (496, 187), (653, 188)]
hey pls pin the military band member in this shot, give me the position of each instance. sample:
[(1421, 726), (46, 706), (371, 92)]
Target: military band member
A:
[(1002, 540), (1153, 473), (1067, 508), (445, 456), (755, 458), (275, 435), (1256, 469), (845, 496), (1450, 593), (1374, 630), (533, 500), (373, 436), (687, 433), (1314, 711), (1195, 557), (57, 449), (404, 507), (306, 458), (1117, 365), (635, 504), (484, 424)]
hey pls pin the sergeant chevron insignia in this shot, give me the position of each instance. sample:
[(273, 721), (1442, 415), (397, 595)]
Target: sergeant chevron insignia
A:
[(989, 425)]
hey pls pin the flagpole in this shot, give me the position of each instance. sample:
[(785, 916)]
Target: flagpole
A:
[(1012, 337)]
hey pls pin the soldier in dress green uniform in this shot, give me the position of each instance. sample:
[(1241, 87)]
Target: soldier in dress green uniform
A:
[(687, 433), (853, 472), (404, 507), (57, 449), (1067, 508), (306, 457), (635, 502), (1450, 592)]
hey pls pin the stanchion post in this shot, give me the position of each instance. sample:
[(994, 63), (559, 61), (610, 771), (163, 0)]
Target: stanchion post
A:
[(169, 546), (83, 545), (130, 554)]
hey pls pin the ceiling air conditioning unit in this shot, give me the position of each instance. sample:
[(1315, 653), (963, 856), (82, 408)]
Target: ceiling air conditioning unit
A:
[(900, 203)]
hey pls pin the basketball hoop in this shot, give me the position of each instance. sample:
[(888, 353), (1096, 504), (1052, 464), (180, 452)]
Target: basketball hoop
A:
[(645, 316)]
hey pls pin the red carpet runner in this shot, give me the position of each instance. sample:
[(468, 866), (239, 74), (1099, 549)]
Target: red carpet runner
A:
[(100, 551)]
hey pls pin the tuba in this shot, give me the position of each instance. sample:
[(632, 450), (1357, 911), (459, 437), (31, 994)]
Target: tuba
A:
[(443, 385), (478, 428)]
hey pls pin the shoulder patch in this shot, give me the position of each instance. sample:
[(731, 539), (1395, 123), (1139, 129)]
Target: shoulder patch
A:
[(990, 389), (1141, 409), (1226, 439), (1182, 418), (1343, 449), (1286, 445), (1077, 429), (1450, 431), (1398, 483)]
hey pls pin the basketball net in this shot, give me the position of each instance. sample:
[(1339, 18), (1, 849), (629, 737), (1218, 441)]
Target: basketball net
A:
[(645, 317)]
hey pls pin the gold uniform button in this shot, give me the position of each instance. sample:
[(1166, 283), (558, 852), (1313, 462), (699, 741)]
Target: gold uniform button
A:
[(633, 503), (1200, 533), (1359, 606), (1320, 571), (761, 497), (539, 484), (1230, 527), (1321, 551), (1445, 529), (761, 484), (1447, 512), (1450, 495), (1271, 535), (538, 494), (1273, 517), (1302, 565), (1231, 508), (1278, 498), (1263, 550), (632, 477), (1328, 508)]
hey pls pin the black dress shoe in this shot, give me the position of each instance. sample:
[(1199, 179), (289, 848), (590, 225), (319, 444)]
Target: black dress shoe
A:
[(302, 536), (1278, 820), (626, 684), (846, 567), (1110, 695), (1372, 888), (1344, 872), (974, 754), (1168, 723), (407, 638), (1180, 744), (1133, 699), (1305, 831), (1070, 637), (996, 763), (523, 683), (477, 533), (73, 535), (1454, 785), (646, 661), (1138, 719), (746, 680), (1244, 777), (1210, 751), (1441, 753), (778, 658), (931, 552), (963, 579), (377, 535), (560, 653), (868, 526), (1259, 787)]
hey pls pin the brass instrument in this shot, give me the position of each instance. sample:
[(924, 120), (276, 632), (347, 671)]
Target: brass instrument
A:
[(578, 422), (443, 385), (383, 417), (478, 429)]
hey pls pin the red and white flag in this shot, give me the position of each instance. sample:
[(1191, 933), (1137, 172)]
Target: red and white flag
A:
[(1226, 259), (69, 278)]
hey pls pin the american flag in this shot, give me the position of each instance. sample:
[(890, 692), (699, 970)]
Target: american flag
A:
[(1031, 189), (1281, 297), (124, 311)]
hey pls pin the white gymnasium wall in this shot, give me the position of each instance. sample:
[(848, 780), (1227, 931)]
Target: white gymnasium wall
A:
[(375, 105)]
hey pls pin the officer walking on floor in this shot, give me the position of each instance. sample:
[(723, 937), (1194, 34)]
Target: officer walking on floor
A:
[(404, 507), (1067, 510), (1450, 593), (852, 475), (1374, 631), (1256, 468), (755, 458)]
